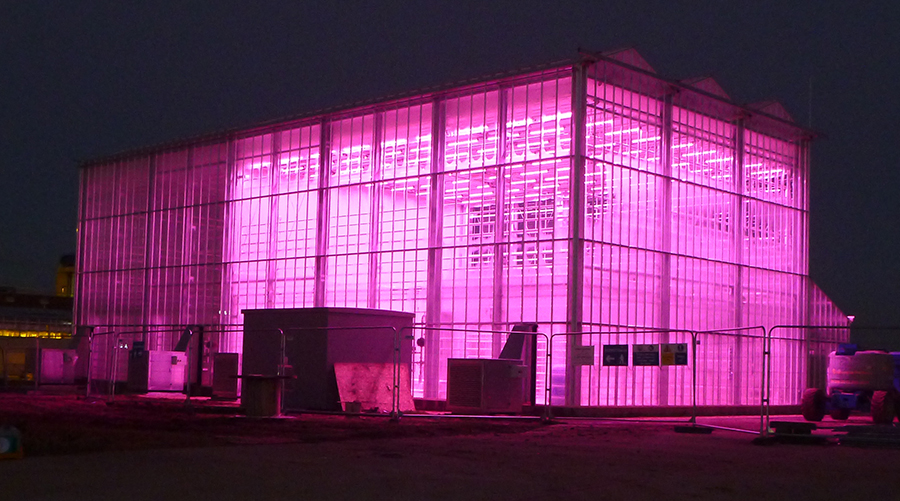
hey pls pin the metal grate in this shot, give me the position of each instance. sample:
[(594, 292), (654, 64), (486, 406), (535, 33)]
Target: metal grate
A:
[(464, 383)]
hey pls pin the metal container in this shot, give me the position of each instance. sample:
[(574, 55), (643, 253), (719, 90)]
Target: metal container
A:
[(864, 370)]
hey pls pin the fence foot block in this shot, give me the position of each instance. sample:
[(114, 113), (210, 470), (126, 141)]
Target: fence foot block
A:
[(792, 427), (692, 428)]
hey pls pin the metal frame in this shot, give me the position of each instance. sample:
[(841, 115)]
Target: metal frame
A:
[(540, 134)]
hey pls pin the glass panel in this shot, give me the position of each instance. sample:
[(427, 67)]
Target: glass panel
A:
[(505, 216), (273, 222), (702, 150), (622, 127)]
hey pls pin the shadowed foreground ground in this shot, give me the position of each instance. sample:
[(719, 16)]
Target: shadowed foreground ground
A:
[(142, 448)]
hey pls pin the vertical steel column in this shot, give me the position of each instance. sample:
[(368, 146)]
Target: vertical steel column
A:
[(79, 316), (806, 358), (500, 215), (803, 168), (185, 313), (665, 234), (322, 218), (78, 287), (575, 292), (116, 229), (738, 247), (148, 249), (375, 205), (215, 312), (186, 243), (801, 233), (435, 241), (272, 222), (226, 299)]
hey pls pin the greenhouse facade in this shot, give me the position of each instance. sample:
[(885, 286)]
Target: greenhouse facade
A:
[(606, 204)]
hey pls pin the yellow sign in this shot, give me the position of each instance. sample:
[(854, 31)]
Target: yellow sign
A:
[(673, 354), (667, 358)]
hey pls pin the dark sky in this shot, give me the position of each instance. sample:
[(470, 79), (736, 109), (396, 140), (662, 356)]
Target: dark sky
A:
[(84, 79)]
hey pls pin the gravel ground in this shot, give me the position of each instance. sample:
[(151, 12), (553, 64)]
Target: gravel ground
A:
[(140, 448)]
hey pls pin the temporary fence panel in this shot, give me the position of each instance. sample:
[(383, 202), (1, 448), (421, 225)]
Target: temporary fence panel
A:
[(470, 343), (609, 367), (730, 365)]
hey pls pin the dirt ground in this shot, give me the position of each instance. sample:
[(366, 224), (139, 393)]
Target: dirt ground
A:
[(152, 448)]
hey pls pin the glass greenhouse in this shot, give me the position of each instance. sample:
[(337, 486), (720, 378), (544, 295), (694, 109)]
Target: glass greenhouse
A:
[(607, 204)]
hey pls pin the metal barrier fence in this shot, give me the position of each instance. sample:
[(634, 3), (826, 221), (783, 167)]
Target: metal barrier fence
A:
[(744, 356), (810, 350), (542, 361), (107, 345), (104, 350), (625, 383), (724, 365), (727, 367), (20, 359), (721, 356), (400, 336)]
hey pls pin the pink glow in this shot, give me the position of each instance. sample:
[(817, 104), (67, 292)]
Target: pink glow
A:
[(693, 243)]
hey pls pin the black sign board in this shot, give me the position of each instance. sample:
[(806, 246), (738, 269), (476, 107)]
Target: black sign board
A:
[(615, 354), (646, 354)]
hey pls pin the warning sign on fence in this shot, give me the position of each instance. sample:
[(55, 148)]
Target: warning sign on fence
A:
[(583, 355), (673, 354), (645, 354)]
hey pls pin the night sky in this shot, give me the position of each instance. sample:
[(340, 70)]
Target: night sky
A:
[(86, 79)]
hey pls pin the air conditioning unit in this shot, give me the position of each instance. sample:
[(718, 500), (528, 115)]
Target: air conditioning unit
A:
[(157, 371), (485, 386)]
